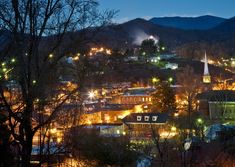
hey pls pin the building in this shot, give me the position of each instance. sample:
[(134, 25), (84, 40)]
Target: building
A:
[(141, 125), (108, 113), (134, 96), (217, 104), (206, 74), (172, 66)]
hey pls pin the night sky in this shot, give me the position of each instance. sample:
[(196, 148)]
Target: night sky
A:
[(130, 9)]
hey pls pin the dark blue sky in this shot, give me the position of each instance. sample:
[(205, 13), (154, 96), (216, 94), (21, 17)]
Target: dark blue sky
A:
[(130, 9)]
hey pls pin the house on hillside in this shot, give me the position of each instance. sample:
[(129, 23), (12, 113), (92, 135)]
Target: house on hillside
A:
[(134, 96), (108, 114), (141, 125), (217, 104)]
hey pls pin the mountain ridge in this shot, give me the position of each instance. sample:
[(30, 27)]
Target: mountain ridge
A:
[(189, 43), (204, 22), (218, 41)]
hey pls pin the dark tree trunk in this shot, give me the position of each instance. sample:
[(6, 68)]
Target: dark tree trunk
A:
[(26, 151), (28, 138)]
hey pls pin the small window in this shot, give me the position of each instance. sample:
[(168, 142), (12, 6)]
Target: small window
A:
[(139, 118), (154, 118), (146, 118)]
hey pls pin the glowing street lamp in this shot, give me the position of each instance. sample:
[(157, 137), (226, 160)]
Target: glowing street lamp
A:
[(76, 58), (118, 132), (155, 80), (173, 128), (34, 81), (4, 69), (199, 121), (176, 114), (59, 140), (170, 79), (13, 60), (91, 94), (51, 55)]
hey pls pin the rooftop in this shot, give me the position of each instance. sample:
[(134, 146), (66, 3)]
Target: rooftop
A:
[(146, 118), (138, 91), (217, 95)]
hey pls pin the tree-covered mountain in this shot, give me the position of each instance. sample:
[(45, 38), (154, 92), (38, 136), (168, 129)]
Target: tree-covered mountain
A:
[(189, 23), (218, 41)]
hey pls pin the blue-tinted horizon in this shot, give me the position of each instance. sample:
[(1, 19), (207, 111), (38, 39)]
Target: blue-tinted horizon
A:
[(130, 9)]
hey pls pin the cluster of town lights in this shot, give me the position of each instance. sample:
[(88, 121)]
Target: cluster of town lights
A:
[(5, 71), (94, 51)]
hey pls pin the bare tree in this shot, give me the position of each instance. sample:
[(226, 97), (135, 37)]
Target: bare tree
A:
[(29, 74), (191, 85)]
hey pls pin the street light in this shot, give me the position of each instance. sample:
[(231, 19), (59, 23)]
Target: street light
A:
[(34, 81), (91, 94), (13, 60), (176, 114), (118, 132), (4, 69), (173, 128), (51, 55), (199, 121), (200, 127), (155, 80), (170, 79)]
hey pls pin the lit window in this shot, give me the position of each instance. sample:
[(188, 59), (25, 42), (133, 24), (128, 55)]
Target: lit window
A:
[(154, 118), (107, 118), (146, 118), (139, 118)]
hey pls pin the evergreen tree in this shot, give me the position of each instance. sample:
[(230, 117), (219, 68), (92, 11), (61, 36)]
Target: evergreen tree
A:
[(164, 98), (148, 47)]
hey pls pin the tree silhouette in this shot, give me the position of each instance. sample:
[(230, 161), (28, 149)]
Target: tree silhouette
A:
[(191, 85), (164, 98), (148, 47), (40, 34)]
